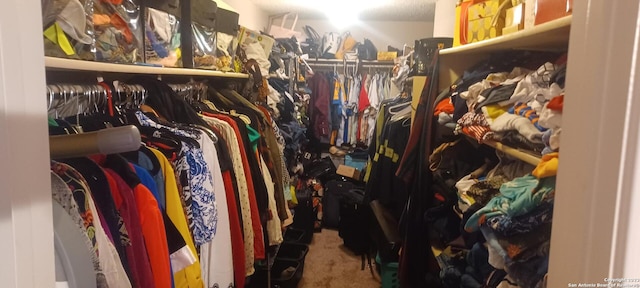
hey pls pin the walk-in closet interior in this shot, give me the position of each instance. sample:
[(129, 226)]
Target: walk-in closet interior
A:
[(295, 143)]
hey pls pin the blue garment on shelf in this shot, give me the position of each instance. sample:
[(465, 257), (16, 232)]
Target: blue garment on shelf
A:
[(507, 225), (517, 197)]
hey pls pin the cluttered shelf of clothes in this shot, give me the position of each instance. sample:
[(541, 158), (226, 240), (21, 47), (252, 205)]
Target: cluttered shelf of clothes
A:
[(486, 214), (197, 205)]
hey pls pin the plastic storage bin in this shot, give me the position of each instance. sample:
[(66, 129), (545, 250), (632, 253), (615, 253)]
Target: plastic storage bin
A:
[(294, 235), (388, 273), (293, 251), (288, 279), (355, 162)]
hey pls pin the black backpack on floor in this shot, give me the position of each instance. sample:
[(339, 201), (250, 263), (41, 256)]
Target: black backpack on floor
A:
[(353, 221)]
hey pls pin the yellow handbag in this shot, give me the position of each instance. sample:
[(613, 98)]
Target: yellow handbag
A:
[(348, 44)]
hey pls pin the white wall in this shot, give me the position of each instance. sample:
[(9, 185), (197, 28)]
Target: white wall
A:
[(251, 16), (381, 33), (444, 18)]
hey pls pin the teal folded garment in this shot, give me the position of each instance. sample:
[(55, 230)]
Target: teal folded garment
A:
[(517, 197)]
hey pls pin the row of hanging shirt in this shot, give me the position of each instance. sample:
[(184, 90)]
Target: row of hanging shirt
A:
[(193, 207), (344, 106)]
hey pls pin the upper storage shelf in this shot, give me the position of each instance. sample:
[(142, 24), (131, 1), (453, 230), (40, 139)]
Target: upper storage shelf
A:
[(61, 64), (553, 35)]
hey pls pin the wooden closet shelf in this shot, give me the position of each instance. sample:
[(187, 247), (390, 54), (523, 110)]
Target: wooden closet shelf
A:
[(526, 156), (521, 154), (53, 63), (550, 36)]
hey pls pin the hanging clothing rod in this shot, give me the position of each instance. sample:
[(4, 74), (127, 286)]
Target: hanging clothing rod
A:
[(68, 89), (105, 141), (193, 90), (377, 66), (95, 95), (362, 65)]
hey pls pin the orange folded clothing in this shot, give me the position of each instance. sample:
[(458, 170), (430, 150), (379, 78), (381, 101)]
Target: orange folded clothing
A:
[(556, 103), (443, 106)]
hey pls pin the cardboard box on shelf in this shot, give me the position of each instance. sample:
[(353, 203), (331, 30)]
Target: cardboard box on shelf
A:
[(461, 23), (514, 20), (246, 36), (486, 20), (529, 13), (510, 29), (483, 9), (515, 16), (547, 10), (348, 171), (387, 56)]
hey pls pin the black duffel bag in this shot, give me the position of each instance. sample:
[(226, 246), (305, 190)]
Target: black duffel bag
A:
[(334, 191), (321, 169)]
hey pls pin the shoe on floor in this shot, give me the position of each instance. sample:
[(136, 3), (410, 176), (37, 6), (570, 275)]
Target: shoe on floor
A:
[(337, 151)]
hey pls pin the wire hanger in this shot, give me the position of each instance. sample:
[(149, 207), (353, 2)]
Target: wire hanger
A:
[(396, 106), (402, 114)]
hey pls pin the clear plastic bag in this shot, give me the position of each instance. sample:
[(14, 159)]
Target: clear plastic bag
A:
[(203, 35), (162, 38), (118, 31), (226, 49), (226, 39), (68, 30), (50, 10), (205, 54)]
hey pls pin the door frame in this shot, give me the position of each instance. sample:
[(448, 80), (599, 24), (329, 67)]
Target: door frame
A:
[(26, 225), (597, 205)]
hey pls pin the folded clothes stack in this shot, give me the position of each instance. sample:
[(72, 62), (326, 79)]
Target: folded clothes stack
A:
[(521, 108)]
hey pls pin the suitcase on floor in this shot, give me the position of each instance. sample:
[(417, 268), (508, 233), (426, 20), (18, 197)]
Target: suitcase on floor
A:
[(352, 227), (334, 190), (304, 217)]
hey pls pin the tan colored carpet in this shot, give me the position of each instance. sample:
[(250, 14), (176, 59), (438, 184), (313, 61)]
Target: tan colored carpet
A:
[(330, 265)]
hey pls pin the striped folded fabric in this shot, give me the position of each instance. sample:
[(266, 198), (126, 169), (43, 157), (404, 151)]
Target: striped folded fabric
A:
[(525, 111)]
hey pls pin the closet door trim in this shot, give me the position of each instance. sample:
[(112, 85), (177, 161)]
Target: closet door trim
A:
[(597, 209), (26, 227)]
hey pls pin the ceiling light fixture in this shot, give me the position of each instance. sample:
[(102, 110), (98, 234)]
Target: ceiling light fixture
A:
[(348, 11), (343, 13), (344, 18)]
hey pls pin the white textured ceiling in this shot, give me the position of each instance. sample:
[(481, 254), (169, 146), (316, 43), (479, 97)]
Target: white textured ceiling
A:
[(391, 10)]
